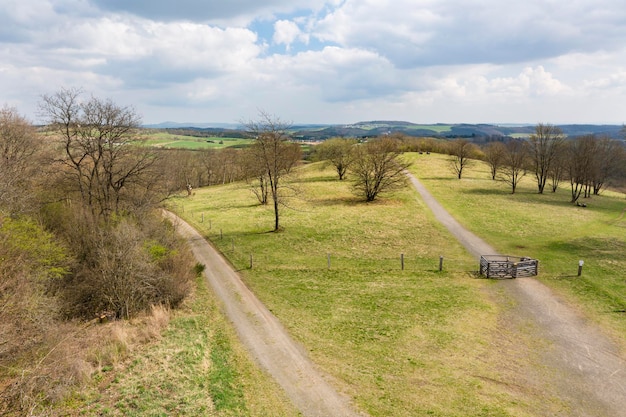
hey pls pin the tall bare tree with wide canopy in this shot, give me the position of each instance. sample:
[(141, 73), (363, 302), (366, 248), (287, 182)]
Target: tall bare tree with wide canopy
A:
[(274, 155), (545, 145), (108, 171)]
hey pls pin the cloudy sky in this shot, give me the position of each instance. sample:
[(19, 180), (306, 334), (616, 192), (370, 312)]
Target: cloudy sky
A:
[(323, 61)]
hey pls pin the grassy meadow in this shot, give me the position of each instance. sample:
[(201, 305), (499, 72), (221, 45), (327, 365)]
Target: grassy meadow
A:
[(547, 227), (171, 141), (412, 342)]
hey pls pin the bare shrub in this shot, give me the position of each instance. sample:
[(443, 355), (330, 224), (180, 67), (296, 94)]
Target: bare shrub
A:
[(124, 266), (377, 168)]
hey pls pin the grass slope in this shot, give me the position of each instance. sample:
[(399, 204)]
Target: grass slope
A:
[(196, 368), (410, 342), (546, 227)]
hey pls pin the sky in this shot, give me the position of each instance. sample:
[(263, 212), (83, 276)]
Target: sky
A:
[(322, 61)]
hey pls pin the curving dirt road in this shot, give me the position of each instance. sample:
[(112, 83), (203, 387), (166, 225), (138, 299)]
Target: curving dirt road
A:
[(264, 336), (585, 368)]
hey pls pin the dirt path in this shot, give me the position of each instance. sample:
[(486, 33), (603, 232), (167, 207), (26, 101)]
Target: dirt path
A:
[(264, 336), (584, 367)]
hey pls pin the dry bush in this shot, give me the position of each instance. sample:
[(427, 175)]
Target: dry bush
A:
[(123, 266)]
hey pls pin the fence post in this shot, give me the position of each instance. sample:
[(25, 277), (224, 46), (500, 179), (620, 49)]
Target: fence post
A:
[(250, 261), (440, 263), (221, 235), (402, 260)]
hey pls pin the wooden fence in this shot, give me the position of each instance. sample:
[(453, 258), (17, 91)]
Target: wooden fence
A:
[(499, 266)]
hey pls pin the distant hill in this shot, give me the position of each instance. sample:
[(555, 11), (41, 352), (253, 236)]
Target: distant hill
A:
[(177, 125), (475, 132)]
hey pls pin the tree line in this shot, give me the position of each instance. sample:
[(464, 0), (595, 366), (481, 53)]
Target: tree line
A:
[(587, 163)]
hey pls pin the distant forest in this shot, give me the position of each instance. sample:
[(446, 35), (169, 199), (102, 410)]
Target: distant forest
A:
[(478, 133)]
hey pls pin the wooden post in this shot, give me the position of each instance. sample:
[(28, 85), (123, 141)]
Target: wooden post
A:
[(232, 245), (210, 224), (440, 263), (202, 220), (250, 261), (221, 235), (580, 267), (328, 260), (402, 260)]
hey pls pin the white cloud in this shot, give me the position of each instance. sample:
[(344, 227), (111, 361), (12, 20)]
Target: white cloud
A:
[(322, 61), (287, 32)]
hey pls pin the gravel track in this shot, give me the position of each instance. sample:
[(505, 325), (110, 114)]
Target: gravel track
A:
[(263, 335)]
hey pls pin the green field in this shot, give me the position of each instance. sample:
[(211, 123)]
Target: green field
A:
[(546, 227), (435, 128), (169, 141), (411, 342)]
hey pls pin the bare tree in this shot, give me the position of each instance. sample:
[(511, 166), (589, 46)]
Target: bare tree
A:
[(378, 168), (339, 152), (608, 156), (274, 153), (494, 156), (462, 152), (19, 146), (579, 164), (557, 168), (256, 175), (545, 146), (99, 156), (514, 164)]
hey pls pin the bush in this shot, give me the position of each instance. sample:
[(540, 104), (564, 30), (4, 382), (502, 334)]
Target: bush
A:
[(123, 267)]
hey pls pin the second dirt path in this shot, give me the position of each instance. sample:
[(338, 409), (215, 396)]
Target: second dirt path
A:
[(584, 367)]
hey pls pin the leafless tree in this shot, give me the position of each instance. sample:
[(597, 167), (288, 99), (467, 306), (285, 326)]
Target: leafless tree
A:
[(514, 164), (545, 146), (275, 154), (339, 152), (19, 148), (378, 168), (494, 156), (557, 168), (462, 152), (256, 175), (105, 167), (579, 164), (608, 157)]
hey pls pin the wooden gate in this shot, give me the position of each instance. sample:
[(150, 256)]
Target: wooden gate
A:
[(502, 266)]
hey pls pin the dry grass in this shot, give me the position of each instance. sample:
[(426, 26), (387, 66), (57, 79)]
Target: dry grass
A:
[(69, 357)]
